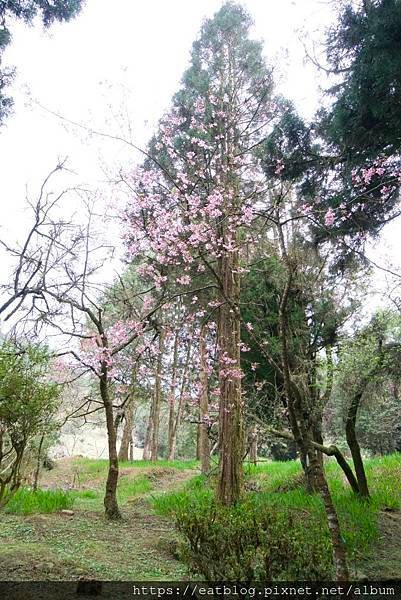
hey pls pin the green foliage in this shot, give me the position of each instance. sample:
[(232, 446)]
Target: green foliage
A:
[(25, 501), (369, 366), (27, 398), (28, 402), (358, 131), (282, 523), (365, 118), (252, 541), (361, 127)]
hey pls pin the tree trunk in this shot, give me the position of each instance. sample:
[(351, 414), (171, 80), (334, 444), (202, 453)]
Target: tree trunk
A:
[(148, 435), (204, 443), (353, 445), (231, 443), (300, 419), (198, 447), (171, 403), (126, 440), (181, 400), (337, 542), (154, 444), (110, 498), (38, 460), (253, 446)]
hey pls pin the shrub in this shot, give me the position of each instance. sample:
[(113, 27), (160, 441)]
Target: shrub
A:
[(252, 541)]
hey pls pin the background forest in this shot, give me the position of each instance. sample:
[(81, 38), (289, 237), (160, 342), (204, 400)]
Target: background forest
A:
[(204, 319)]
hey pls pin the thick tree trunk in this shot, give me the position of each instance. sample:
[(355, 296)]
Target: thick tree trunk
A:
[(204, 442), (154, 444), (231, 443), (353, 445), (110, 499)]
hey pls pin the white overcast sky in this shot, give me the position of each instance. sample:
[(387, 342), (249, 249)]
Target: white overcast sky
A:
[(116, 66)]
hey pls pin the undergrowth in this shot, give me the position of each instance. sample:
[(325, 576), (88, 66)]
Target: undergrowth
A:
[(25, 501), (294, 543)]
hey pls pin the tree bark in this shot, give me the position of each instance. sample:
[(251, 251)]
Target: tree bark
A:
[(338, 547), (253, 446), (126, 439), (231, 443), (171, 402), (38, 460), (300, 420), (110, 499), (204, 442), (154, 444), (354, 447)]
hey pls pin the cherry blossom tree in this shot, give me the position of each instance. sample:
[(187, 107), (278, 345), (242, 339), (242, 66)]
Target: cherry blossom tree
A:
[(58, 292), (193, 201)]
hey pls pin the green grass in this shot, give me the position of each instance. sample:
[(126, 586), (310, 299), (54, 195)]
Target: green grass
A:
[(87, 545), (358, 518), (131, 485), (26, 501), (52, 546), (128, 489), (95, 466)]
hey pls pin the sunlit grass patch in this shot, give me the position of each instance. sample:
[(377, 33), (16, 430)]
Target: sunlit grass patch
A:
[(130, 488), (25, 501)]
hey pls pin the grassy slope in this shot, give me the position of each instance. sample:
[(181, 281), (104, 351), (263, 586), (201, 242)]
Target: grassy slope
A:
[(53, 546), (57, 546)]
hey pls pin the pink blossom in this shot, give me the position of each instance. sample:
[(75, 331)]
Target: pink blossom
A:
[(329, 218)]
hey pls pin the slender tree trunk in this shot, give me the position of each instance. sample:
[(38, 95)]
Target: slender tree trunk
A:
[(126, 439), (354, 447), (171, 402), (148, 434), (110, 499), (198, 446), (154, 445), (338, 547), (38, 461), (126, 447), (300, 422), (253, 446), (181, 400), (231, 442), (204, 443)]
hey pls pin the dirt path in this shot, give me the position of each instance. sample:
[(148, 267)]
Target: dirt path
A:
[(55, 546), (384, 561)]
